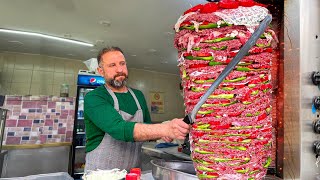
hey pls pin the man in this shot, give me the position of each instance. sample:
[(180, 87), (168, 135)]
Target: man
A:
[(117, 118)]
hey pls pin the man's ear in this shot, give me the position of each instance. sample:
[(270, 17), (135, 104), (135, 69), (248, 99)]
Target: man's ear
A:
[(100, 71)]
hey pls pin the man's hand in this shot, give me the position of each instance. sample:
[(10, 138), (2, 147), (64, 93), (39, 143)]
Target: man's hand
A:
[(177, 129), (167, 139), (174, 129)]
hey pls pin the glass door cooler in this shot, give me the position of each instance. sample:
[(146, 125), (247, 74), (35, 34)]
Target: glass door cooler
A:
[(86, 83)]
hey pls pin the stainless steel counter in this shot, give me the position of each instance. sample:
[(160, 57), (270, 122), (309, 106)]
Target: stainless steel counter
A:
[(169, 153)]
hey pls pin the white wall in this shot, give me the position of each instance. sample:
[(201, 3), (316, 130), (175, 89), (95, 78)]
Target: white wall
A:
[(29, 74)]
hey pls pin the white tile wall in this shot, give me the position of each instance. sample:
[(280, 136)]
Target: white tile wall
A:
[(149, 81), (25, 74), (28, 74), (22, 76)]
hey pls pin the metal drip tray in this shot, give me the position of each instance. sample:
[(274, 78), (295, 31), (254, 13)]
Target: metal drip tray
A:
[(172, 170)]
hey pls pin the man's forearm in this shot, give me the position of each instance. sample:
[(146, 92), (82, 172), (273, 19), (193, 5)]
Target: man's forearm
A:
[(145, 132)]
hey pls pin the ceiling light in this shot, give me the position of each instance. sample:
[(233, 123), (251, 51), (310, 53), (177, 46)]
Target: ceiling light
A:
[(164, 62), (16, 42), (105, 23), (152, 50), (46, 36), (169, 33), (94, 50)]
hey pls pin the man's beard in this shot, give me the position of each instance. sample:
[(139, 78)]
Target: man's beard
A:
[(116, 83)]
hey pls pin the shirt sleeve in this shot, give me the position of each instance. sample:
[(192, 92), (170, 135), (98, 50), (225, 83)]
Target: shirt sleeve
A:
[(104, 116)]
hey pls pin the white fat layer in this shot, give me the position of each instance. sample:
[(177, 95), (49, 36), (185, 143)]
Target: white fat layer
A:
[(196, 25), (247, 16), (181, 19)]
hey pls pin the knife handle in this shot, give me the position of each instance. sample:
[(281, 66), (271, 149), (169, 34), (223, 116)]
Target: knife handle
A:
[(187, 119)]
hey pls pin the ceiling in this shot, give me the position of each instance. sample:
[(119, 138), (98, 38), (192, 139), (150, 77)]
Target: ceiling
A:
[(142, 28)]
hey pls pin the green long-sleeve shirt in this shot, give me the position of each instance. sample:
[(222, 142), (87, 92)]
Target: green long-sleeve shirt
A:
[(101, 117)]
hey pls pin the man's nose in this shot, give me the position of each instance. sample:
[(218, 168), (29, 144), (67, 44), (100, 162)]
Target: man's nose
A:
[(119, 68)]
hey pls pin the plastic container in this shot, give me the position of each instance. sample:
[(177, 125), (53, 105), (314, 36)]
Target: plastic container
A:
[(136, 171), (132, 176), (64, 90)]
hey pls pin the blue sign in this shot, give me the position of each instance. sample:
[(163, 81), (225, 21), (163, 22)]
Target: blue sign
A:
[(90, 80)]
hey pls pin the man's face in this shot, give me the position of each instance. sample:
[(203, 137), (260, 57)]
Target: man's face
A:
[(114, 69)]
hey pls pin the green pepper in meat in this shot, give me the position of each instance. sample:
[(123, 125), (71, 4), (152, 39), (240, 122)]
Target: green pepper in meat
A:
[(188, 27), (245, 69), (196, 48), (203, 126), (219, 49), (236, 80), (203, 168), (204, 81), (205, 176), (197, 89), (214, 63), (189, 57), (249, 115), (268, 162), (263, 36), (263, 45), (203, 141), (184, 74), (228, 88), (222, 96), (253, 172), (206, 58), (255, 92), (251, 85), (242, 171), (204, 26), (202, 151), (241, 148), (246, 102)]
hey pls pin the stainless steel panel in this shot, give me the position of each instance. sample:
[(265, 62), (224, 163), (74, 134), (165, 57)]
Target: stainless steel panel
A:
[(2, 157), (177, 170), (3, 116), (25, 162), (173, 170), (301, 57), (292, 90), (309, 51)]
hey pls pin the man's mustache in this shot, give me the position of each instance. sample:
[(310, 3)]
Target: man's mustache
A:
[(120, 74)]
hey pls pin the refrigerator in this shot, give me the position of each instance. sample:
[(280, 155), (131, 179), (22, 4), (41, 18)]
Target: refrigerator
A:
[(86, 83)]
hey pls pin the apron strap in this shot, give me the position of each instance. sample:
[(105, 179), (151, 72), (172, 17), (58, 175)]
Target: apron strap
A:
[(115, 99), (135, 98)]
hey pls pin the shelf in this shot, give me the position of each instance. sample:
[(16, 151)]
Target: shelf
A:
[(81, 132), (80, 147), (79, 173)]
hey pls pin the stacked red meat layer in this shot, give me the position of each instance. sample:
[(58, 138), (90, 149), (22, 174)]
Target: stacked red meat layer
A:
[(232, 135)]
